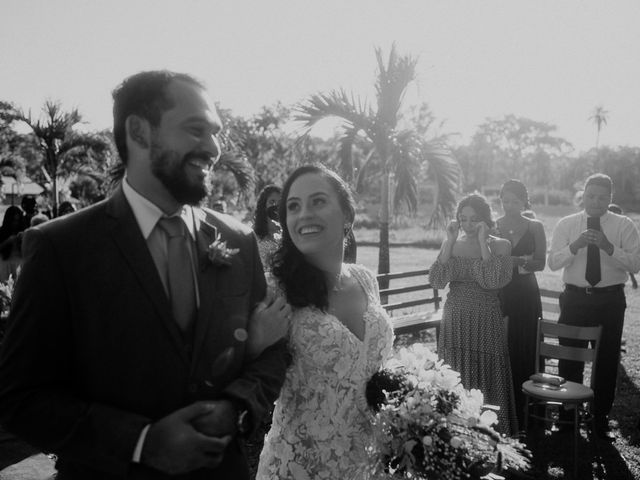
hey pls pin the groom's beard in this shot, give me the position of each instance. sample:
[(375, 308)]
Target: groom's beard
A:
[(170, 169)]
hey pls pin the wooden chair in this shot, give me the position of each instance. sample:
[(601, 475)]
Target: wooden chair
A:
[(570, 394)]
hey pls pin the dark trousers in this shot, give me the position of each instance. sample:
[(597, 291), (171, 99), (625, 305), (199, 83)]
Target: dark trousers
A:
[(606, 309)]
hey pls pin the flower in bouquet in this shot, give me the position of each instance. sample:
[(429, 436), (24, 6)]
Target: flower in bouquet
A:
[(427, 425), (6, 294), (219, 254)]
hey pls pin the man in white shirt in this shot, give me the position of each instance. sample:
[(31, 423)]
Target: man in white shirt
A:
[(597, 249)]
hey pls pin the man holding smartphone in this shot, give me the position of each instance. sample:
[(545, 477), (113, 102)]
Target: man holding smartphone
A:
[(597, 249)]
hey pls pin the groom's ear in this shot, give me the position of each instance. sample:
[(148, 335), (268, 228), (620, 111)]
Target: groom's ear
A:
[(138, 131)]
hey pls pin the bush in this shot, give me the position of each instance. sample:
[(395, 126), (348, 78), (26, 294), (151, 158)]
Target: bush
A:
[(556, 197)]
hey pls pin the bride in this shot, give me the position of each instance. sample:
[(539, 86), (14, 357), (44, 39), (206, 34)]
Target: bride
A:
[(339, 336)]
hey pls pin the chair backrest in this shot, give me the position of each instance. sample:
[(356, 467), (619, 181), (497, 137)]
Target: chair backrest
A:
[(548, 345)]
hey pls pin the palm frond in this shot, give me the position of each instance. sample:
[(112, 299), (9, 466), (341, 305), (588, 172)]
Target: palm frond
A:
[(337, 103), (391, 84), (241, 170), (86, 141), (405, 162), (446, 173), (366, 171)]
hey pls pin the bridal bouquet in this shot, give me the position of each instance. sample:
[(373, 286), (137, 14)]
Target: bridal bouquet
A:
[(428, 426)]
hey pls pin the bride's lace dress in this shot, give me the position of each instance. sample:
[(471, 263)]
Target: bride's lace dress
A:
[(321, 423)]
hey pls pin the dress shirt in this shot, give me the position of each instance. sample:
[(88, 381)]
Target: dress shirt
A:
[(147, 215), (621, 233)]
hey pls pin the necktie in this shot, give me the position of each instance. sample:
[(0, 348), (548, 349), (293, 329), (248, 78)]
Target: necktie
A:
[(180, 271), (592, 272)]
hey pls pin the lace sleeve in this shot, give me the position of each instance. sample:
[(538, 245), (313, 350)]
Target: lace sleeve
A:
[(493, 273), (440, 274), (368, 281)]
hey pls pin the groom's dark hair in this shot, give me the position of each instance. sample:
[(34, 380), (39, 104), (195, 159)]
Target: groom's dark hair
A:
[(143, 94)]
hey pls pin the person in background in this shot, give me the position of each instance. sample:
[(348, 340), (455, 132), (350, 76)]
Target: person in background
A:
[(596, 249), (219, 206), (473, 335), (339, 336), (126, 352), (65, 208), (10, 242), (521, 296), (618, 210), (30, 208), (38, 219), (265, 223)]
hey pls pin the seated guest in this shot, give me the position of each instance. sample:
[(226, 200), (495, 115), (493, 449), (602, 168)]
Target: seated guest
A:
[(597, 250)]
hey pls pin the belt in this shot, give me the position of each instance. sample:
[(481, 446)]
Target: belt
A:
[(591, 290)]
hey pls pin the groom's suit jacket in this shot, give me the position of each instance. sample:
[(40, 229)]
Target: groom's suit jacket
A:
[(92, 353)]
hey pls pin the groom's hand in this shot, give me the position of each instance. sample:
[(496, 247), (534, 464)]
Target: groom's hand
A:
[(174, 446), (219, 421)]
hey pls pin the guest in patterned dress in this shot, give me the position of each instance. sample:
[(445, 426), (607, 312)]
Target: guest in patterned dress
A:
[(473, 337), (265, 223), (339, 336), (521, 297)]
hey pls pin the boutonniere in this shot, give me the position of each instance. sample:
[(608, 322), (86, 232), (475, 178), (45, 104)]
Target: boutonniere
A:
[(218, 253)]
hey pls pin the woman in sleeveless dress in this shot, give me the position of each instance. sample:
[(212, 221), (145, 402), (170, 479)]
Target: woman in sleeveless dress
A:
[(521, 297), (339, 336), (473, 336)]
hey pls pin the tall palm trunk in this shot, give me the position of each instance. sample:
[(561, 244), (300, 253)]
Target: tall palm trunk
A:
[(383, 251)]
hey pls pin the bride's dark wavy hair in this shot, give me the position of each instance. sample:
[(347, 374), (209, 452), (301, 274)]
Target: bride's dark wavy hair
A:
[(303, 283)]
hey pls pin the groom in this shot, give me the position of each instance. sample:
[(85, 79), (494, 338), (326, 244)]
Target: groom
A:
[(123, 357)]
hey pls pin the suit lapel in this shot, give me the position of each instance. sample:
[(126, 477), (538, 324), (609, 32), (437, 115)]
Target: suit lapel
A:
[(126, 234), (207, 275)]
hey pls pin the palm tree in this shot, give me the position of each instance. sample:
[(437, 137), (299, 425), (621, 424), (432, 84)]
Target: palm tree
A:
[(599, 118), (395, 152), (64, 148)]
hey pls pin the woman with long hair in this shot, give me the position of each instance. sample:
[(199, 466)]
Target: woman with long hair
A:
[(339, 336), (473, 336), (521, 297), (265, 223), (10, 242)]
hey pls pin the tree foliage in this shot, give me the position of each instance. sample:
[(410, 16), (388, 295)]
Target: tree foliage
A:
[(64, 150), (512, 147), (394, 151)]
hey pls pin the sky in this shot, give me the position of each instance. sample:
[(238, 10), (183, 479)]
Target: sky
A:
[(552, 61)]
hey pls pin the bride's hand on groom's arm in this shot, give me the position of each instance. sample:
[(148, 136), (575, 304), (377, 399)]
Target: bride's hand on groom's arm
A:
[(269, 323), (174, 445)]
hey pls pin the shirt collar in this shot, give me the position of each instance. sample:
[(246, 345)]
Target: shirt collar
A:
[(603, 218), (147, 213)]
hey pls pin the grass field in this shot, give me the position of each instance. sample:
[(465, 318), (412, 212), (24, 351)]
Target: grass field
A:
[(617, 461)]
